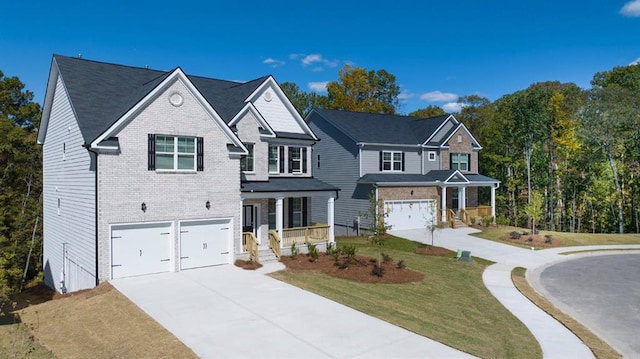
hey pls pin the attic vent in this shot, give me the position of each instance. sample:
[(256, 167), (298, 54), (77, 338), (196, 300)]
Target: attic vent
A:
[(267, 96), (176, 99)]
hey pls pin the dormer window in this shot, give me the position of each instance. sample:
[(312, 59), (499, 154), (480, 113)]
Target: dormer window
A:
[(391, 161)]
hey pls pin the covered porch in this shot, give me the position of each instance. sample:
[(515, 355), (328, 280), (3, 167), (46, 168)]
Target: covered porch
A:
[(276, 214), (456, 203)]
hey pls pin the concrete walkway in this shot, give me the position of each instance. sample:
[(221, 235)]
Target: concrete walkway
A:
[(227, 312), (555, 340)]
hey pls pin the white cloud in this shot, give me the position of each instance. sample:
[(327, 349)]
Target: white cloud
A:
[(636, 62), (309, 59), (273, 62), (318, 86), (438, 96), (405, 95), (317, 60), (631, 9), (453, 107)]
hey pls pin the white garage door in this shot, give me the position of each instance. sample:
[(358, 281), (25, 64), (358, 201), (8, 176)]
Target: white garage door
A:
[(412, 214), (140, 249), (205, 243)]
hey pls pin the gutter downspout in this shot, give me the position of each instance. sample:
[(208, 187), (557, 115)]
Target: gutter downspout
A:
[(95, 153)]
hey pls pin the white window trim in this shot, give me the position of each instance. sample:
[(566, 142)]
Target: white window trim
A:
[(293, 160), (277, 171), (457, 163), (392, 161), (431, 156), (176, 154), (251, 152)]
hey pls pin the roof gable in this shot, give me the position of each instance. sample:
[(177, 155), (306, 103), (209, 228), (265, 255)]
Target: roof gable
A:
[(474, 142)]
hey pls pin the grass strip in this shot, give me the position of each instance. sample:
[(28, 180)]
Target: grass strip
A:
[(600, 348)]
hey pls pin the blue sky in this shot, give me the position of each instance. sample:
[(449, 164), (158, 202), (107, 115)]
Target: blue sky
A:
[(438, 50)]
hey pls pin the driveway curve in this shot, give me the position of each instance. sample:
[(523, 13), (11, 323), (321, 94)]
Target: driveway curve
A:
[(601, 290)]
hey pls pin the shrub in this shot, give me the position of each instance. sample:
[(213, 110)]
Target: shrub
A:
[(294, 251), (346, 262), (348, 250), (386, 258), (514, 235), (502, 220), (377, 270), (331, 248), (472, 220), (487, 220), (401, 264), (548, 239), (313, 252)]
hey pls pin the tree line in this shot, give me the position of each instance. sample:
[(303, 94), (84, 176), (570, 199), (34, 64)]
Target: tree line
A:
[(577, 149)]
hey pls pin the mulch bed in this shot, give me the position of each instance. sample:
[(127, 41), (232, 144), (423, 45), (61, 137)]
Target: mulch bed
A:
[(433, 251), (534, 240), (359, 270), (248, 265)]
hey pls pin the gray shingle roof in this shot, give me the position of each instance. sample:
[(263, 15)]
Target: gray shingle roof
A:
[(430, 178), (382, 128), (285, 184), (102, 92)]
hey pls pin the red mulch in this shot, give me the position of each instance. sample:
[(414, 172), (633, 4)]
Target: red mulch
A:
[(248, 265), (359, 270), (433, 251)]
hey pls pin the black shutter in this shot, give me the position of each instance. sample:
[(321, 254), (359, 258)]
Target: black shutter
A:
[(290, 213), (200, 153), (281, 159), (402, 161), (304, 211), (451, 161), (304, 160), (152, 152), (290, 153), (380, 161), (469, 162)]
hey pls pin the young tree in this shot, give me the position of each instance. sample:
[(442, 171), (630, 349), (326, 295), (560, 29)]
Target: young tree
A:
[(377, 214), (534, 209), (364, 91)]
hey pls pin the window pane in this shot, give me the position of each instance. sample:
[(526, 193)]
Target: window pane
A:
[(164, 161), (297, 212), (186, 145), (386, 156), (272, 213), (296, 159), (273, 159), (186, 162), (164, 144), (397, 156), (397, 166)]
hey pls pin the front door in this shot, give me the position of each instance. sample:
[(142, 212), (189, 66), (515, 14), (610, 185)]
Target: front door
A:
[(455, 200), (248, 218)]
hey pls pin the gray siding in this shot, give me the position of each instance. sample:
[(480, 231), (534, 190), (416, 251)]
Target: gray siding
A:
[(443, 131), (371, 159), (339, 166), (431, 165), (71, 181)]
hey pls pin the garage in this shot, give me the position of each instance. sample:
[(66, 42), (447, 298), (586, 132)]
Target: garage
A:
[(205, 243), (410, 214), (138, 249)]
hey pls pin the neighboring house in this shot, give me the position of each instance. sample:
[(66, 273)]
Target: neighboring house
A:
[(425, 170), (150, 171)]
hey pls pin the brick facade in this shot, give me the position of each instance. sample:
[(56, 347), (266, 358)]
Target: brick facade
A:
[(464, 146)]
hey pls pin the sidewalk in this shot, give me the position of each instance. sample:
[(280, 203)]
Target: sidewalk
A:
[(555, 340)]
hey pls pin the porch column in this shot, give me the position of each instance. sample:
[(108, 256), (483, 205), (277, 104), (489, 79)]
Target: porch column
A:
[(330, 219), (443, 204), (462, 198), (493, 202), (279, 219)]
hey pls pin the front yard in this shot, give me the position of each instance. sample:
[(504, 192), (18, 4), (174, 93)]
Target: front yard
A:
[(450, 304)]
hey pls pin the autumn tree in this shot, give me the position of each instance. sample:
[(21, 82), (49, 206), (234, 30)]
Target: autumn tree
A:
[(429, 111), (303, 101), (20, 183), (361, 90)]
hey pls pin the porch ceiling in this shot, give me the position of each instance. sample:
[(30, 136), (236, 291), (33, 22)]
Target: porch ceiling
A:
[(287, 184), (432, 178)]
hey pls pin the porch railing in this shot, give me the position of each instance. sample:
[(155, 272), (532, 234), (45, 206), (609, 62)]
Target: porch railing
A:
[(300, 235), (479, 212), (451, 218), (250, 244), (275, 242)]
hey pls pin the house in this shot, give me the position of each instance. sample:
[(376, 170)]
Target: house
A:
[(424, 170), (148, 171)]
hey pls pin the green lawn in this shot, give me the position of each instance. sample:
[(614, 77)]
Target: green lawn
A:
[(451, 305), (563, 238)]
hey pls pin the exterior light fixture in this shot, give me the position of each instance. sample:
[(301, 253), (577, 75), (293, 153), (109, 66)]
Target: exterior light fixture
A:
[(208, 205), (143, 207)]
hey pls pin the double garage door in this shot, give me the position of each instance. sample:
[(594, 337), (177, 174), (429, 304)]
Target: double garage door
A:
[(413, 214), (138, 249)]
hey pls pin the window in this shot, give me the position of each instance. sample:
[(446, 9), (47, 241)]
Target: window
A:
[(296, 213), (274, 159), (272, 213), (295, 160), (175, 153), (391, 161), (246, 162), (460, 161), (459, 138), (431, 155)]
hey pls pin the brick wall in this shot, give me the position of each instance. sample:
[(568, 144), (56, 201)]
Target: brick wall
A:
[(464, 146)]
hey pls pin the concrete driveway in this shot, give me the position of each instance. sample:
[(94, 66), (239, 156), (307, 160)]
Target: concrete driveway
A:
[(602, 291), (227, 312)]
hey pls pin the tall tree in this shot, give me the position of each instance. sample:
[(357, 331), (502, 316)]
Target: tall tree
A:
[(364, 91), (429, 111), (20, 182), (303, 101)]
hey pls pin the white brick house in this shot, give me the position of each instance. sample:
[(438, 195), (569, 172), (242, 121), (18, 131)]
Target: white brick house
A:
[(149, 171)]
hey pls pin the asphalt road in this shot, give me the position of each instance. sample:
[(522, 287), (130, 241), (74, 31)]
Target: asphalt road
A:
[(603, 293)]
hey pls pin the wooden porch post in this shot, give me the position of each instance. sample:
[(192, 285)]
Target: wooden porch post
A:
[(279, 220), (443, 204), (330, 218)]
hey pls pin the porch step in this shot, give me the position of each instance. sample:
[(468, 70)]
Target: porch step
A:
[(265, 255), (459, 224)]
